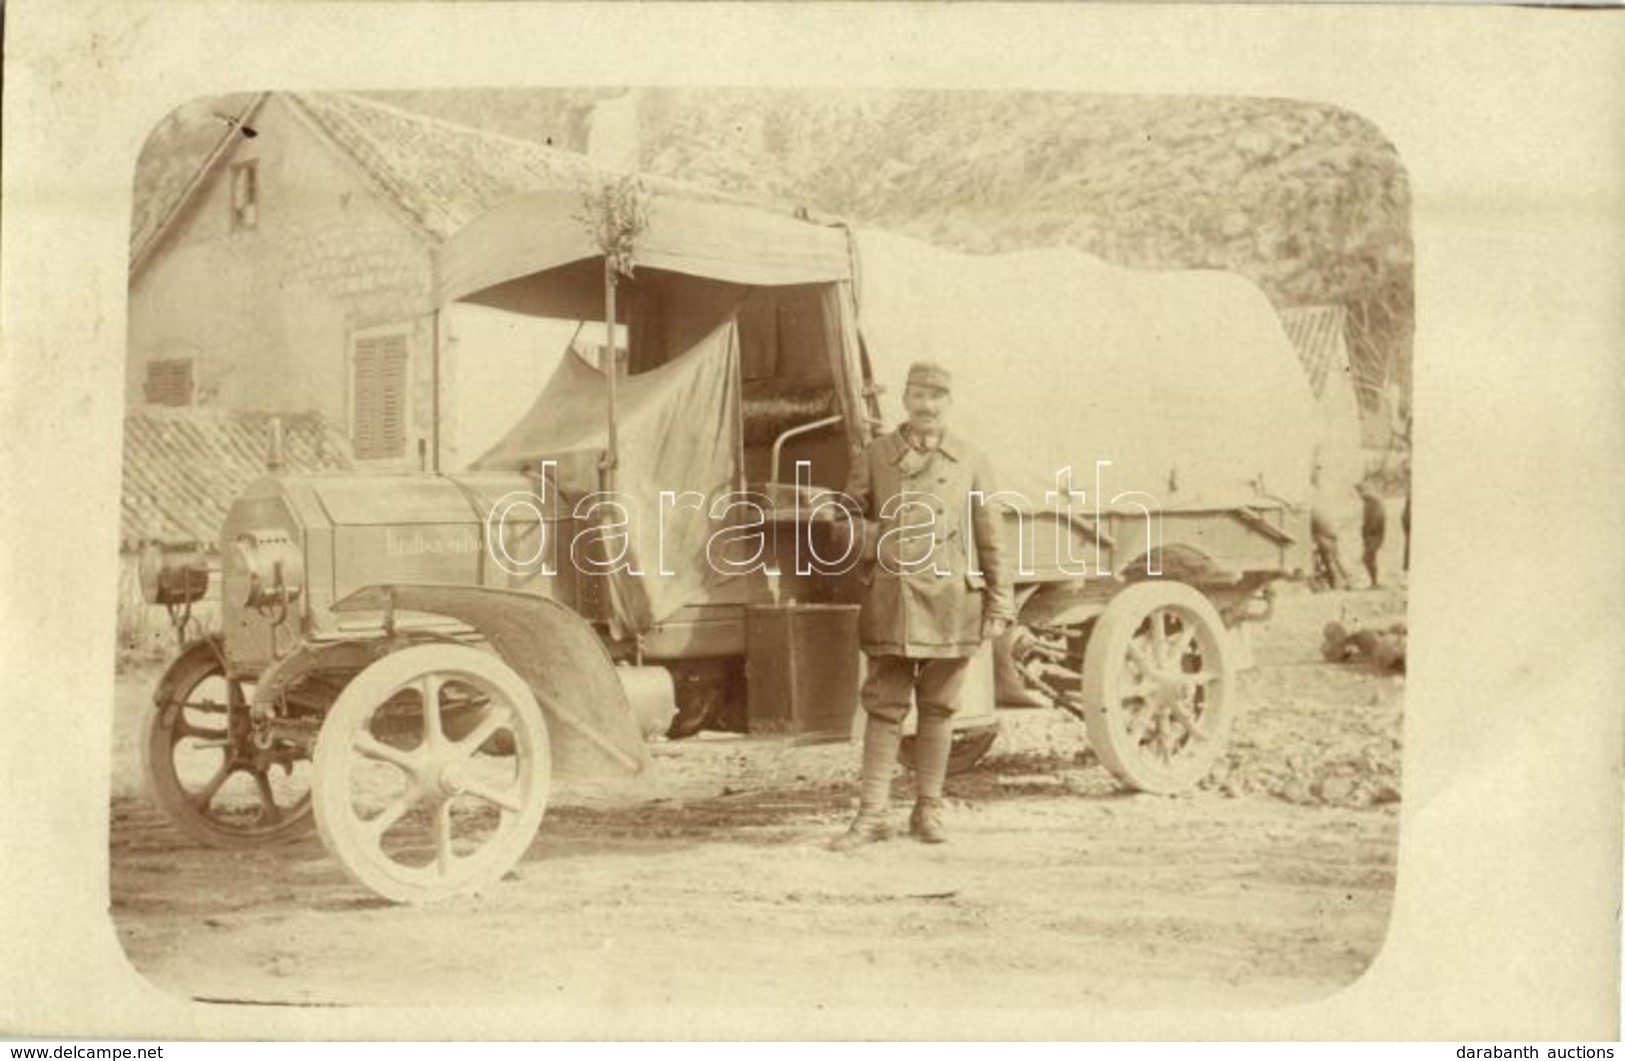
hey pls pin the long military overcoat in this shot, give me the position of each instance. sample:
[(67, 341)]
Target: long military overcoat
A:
[(933, 561)]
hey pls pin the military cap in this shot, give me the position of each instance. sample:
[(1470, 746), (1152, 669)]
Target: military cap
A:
[(930, 374)]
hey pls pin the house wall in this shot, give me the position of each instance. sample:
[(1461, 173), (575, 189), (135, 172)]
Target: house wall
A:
[(493, 367), (267, 313)]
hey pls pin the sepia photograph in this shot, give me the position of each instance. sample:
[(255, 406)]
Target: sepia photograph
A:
[(1041, 508), (749, 543)]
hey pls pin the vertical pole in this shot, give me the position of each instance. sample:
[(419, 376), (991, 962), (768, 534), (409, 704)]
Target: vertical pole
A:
[(274, 456), (434, 393), (610, 365), (603, 607)]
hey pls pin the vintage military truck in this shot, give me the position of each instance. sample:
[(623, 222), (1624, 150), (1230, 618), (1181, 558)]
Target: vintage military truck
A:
[(407, 660)]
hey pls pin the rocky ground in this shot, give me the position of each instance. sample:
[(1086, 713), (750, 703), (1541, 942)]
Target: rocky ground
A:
[(707, 881)]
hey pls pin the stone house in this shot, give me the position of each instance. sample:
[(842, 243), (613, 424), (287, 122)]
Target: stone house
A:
[(293, 274)]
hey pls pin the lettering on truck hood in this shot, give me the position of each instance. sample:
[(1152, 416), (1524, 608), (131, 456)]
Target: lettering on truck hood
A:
[(416, 542)]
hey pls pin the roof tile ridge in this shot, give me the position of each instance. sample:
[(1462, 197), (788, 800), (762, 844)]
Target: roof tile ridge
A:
[(446, 123), (339, 141)]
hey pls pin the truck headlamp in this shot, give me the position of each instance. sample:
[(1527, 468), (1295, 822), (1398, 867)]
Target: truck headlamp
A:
[(263, 570), (173, 574)]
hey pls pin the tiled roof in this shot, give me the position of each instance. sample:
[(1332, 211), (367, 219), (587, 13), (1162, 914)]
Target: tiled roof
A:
[(442, 174), (1317, 332), (176, 158), (183, 467)]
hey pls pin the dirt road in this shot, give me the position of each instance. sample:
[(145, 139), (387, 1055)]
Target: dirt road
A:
[(707, 882)]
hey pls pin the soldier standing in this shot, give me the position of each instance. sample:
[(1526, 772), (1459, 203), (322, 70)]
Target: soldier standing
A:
[(934, 590)]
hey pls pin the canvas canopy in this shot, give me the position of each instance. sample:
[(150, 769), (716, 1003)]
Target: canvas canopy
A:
[(530, 234), (1319, 332), (1184, 381), (1339, 449), (677, 430)]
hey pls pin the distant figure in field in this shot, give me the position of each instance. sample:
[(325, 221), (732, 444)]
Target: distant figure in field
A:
[(1373, 527), (1405, 525), (1323, 532), (1325, 538)]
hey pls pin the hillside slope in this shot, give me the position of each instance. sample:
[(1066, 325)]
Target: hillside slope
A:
[(1309, 201)]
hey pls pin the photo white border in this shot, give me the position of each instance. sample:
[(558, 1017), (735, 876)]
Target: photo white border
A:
[(1509, 123)]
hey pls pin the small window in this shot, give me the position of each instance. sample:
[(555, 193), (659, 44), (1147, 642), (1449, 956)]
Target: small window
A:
[(169, 382), (245, 195), (380, 397)]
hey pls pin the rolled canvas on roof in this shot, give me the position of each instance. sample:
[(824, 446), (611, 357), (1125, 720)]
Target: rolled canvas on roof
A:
[(1184, 381)]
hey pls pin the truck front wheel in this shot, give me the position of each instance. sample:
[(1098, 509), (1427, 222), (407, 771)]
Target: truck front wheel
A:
[(414, 808)]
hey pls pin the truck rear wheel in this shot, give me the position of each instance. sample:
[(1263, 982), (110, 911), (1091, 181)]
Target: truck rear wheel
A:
[(1159, 687), (415, 809)]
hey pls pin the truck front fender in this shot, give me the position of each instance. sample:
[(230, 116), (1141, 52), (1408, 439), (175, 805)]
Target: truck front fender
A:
[(592, 727)]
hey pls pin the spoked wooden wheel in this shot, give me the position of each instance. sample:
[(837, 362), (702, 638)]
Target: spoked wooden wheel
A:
[(1159, 687), (218, 782), (414, 808)]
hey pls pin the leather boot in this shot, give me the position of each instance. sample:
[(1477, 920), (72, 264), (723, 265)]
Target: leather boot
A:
[(932, 743), (925, 824), (873, 823)]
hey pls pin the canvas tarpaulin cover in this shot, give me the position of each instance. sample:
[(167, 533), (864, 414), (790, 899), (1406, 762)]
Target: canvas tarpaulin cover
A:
[(677, 430), (1184, 381), (532, 233)]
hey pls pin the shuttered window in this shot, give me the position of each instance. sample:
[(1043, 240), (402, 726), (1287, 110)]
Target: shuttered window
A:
[(169, 382), (380, 397)]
